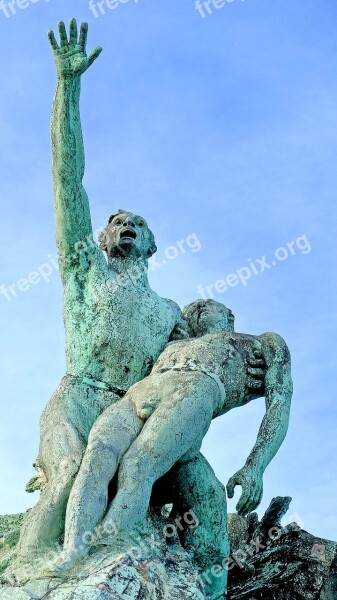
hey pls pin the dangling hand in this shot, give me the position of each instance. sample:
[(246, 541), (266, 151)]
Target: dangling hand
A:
[(250, 478)]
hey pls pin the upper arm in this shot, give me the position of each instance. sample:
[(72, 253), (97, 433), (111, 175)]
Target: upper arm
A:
[(275, 349), (278, 380), (73, 220), (88, 256)]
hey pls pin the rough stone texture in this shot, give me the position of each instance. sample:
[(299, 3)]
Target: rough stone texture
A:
[(92, 429), (10, 526), (120, 570), (170, 578), (297, 566)]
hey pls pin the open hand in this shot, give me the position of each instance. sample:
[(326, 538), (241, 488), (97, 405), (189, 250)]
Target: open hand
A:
[(70, 56), (251, 481)]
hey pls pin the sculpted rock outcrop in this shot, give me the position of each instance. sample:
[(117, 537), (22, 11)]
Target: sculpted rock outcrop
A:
[(285, 562), (294, 566)]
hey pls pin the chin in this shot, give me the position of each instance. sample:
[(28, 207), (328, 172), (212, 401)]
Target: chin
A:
[(129, 247)]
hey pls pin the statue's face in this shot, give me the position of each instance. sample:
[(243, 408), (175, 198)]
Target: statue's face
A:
[(129, 235), (209, 316)]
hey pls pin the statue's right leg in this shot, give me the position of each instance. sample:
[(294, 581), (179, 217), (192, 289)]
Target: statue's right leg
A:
[(197, 489), (111, 436), (61, 451)]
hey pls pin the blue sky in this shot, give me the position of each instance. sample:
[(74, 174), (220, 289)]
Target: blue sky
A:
[(224, 127)]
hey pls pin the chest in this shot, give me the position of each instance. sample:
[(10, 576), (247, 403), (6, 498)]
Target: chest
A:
[(108, 310)]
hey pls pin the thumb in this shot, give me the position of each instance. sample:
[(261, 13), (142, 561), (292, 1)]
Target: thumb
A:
[(94, 54), (231, 487)]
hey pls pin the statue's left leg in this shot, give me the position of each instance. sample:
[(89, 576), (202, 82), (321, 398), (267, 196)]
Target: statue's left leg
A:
[(177, 425), (196, 488)]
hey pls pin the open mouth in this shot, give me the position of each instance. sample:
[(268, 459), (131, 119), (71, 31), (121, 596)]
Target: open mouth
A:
[(128, 233)]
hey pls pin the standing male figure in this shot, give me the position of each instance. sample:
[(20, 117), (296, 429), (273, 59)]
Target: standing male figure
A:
[(116, 325)]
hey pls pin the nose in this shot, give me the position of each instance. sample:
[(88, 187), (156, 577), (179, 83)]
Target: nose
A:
[(129, 222)]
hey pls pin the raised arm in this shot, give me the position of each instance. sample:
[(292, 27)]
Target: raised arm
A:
[(274, 426), (72, 213)]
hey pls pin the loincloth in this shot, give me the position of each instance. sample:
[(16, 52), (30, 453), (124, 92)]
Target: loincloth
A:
[(200, 370)]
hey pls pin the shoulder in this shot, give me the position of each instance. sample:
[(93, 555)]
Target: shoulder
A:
[(275, 341), (174, 307), (180, 330), (82, 260)]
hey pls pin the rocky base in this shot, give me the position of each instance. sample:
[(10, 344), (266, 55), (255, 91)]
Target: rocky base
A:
[(268, 562), (101, 578), (271, 561), (139, 566)]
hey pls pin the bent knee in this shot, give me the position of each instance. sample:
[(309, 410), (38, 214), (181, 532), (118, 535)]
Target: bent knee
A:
[(65, 471), (99, 448), (69, 466)]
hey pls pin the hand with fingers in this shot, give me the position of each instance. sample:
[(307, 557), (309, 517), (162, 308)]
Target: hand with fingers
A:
[(70, 56), (256, 369), (250, 478)]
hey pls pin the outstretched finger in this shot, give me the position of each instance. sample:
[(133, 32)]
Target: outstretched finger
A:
[(83, 35), (249, 507), (73, 32), (94, 54), (63, 34), (52, 40)]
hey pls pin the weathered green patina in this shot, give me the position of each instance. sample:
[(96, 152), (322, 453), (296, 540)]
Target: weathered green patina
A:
[(116, 325), (163, 419), (131, 400)]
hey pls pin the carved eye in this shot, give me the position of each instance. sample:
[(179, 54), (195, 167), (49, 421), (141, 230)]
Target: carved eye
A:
[(141, 223), (118, 222)]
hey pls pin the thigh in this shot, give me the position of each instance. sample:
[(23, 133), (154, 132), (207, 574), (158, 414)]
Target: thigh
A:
[(177, 425), (68, 418), (77, 403), (117, 427), (61, 449), (62, 428), (193, 477)]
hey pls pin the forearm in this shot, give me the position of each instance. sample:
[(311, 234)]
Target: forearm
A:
[(271, 434), (72, 213)]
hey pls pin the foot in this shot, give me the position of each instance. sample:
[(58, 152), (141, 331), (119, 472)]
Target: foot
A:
[(215, 586), (65, 562)]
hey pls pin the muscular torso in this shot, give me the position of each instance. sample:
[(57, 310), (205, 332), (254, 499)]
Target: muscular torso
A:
[(114, 333), (221, 354)]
